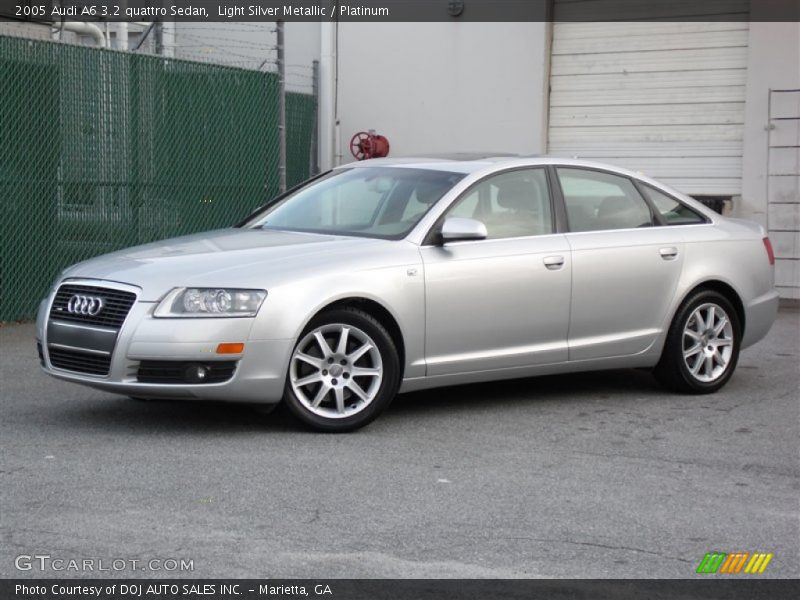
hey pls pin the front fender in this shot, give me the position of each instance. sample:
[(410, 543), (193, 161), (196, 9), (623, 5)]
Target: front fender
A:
[(400, 289)]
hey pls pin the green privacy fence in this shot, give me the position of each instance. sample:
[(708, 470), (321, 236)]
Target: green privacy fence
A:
[(100, 150)]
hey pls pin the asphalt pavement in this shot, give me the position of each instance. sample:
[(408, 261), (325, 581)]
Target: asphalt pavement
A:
[(590, 475)]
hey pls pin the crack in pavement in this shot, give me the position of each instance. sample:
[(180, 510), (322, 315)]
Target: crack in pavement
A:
[(591, 544)]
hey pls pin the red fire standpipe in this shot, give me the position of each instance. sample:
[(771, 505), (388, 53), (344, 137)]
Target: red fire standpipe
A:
[(368, 144)]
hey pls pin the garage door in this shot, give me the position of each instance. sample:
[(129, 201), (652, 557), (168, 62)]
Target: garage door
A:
[(664, 98)]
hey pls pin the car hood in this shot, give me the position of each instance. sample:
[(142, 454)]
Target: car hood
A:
[(227, 257)]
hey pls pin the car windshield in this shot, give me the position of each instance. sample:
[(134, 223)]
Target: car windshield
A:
[(380, 202)]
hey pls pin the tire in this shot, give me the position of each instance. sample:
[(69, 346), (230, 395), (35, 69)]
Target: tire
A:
[(698, 358), (337, 389)]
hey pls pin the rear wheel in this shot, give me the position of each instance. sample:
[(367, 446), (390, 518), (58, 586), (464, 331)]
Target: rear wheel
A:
[(702, 346), (343, 373)]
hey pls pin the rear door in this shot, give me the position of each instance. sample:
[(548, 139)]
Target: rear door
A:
[(502, 302), (625, 265)]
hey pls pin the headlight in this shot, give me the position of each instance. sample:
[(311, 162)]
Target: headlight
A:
[(210, 302)]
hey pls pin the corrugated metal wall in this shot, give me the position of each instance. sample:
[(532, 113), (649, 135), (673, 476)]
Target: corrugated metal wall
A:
[(664, 98)]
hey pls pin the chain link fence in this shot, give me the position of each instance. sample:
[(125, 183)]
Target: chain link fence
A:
[(100, 150)]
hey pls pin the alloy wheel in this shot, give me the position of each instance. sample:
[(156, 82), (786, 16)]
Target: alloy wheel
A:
[(708, 342), (336, 371)]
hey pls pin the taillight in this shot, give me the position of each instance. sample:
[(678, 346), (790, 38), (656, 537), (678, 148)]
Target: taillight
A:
[(770, 251)]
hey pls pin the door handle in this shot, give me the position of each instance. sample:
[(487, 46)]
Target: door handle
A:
[(554, 263), (668, 253)]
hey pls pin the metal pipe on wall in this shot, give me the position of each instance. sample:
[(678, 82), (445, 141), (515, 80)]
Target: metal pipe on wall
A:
[(327, 93), (122, 29), (314, 165), (122, 36), (281, 63), (89, 29)]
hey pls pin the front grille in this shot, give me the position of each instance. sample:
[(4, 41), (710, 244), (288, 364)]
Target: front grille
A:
[(116, 305), (80, 362), (171, 371), (40, 353)]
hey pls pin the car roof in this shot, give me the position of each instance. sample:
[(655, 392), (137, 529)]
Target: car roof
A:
[(457, 162), (471, 162)]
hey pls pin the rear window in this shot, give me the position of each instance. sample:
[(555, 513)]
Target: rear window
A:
[(672, 211)]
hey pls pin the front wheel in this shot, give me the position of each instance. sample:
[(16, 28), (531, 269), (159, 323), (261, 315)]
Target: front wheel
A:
[(702, 346), (343, 373)]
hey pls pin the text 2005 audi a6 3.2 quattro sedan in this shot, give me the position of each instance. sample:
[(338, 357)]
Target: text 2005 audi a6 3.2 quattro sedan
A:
[(398, 275)]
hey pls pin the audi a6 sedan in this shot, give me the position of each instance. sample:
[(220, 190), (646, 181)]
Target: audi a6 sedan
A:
[(392, 275)]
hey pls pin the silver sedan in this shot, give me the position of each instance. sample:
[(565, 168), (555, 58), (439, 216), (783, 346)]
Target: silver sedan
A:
[(389, 276)]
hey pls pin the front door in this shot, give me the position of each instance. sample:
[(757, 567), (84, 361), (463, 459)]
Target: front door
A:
[(502, 302)]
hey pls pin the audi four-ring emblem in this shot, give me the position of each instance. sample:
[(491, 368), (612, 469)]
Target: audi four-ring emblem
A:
[(84, 305)]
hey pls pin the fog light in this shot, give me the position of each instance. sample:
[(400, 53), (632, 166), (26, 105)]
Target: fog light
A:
[(196, 373)]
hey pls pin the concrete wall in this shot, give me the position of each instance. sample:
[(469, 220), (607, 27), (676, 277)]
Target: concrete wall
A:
[(774, 200), (444, 87), (773, 63)]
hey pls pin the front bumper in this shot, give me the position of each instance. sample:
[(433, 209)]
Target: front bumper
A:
[(259, 376)]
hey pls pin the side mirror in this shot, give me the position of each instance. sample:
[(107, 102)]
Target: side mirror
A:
[(459, 229)]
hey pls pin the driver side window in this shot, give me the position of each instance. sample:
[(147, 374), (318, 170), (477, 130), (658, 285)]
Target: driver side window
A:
[(511, 204)]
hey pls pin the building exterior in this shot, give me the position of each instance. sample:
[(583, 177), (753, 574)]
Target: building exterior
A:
[(252, 46), (118, 35), (249, 45), (712, 109)]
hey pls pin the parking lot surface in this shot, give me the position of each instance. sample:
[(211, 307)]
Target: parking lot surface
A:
[(591, 475)]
